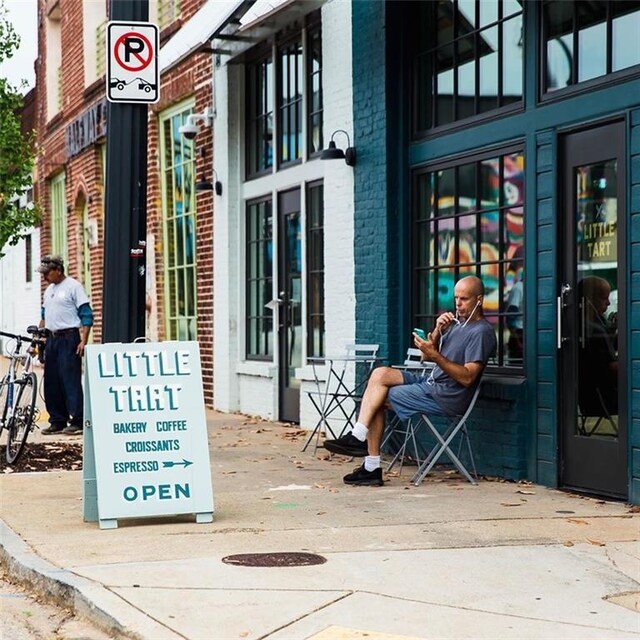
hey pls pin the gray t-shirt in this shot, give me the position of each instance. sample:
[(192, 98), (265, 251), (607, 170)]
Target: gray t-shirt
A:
[(475, 342)]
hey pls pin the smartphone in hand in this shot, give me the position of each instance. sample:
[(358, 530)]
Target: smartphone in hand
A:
[(420, 333)]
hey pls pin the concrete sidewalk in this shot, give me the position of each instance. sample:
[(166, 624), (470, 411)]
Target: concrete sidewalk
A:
[(443, 560)]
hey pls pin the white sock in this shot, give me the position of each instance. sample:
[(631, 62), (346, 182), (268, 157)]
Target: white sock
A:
[(371, 463), (360, 431)]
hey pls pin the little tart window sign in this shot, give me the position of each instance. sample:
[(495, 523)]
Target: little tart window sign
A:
[(132, 62), (146, 446)]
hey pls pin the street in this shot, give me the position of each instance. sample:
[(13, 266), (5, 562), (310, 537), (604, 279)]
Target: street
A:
[(24, 618)]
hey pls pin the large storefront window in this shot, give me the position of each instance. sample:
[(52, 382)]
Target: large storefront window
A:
[(468, 219), (315, 270), (290, 101), (588, 40), (293, 92), (259, 116), (259, 280), (179, 209), (314, 91), (468, 59), (59, 244)]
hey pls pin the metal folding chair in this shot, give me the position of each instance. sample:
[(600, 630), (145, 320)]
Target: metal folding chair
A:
[(406, 429), (456, 425), (595, 408)]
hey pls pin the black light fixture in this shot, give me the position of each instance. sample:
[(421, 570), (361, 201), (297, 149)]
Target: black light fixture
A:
[(205, 185), (334, 153)]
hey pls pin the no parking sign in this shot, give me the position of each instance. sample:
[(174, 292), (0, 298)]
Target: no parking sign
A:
[(132, 62)]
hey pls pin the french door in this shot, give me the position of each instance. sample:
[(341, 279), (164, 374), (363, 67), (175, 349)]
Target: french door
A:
[(592, 312), (290, 303)]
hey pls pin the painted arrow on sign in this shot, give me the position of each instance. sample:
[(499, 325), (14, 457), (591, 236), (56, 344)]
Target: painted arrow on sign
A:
[(169, 463)]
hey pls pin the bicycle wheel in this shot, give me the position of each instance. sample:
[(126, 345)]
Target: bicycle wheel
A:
[(4, 383), (19, 425)]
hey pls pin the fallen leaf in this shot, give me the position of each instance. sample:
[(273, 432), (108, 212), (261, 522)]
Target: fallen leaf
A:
[(528, 493), (596, 543), (511, 504), (577, 521), (568, 543)]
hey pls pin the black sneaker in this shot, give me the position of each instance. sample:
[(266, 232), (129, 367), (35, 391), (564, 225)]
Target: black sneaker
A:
[(347, 445), (53, 428), (72, 430), (361, 476)]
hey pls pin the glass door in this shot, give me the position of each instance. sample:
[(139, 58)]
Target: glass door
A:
[(591, 312), (290, 299)]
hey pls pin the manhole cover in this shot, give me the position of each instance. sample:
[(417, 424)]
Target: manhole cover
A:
[(279, 559)]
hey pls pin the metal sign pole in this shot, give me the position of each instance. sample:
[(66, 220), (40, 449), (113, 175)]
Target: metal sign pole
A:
[(125, 226)]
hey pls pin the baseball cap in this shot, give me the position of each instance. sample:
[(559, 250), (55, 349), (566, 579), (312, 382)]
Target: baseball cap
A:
[(50, 262)]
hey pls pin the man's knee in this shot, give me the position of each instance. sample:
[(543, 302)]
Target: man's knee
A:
[(386, 376)]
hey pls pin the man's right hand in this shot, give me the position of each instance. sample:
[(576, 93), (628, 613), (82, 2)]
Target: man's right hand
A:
[(444, 321)]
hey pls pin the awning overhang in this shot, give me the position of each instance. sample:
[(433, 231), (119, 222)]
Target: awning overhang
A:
[(268, 21), (213, 20)]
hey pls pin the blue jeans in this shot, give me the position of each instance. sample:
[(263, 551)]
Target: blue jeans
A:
[(63, 380)]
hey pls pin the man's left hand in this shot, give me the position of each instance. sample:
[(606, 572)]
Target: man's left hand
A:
[(427, 347)]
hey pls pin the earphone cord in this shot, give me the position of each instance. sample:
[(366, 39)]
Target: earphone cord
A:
[(430, 379)]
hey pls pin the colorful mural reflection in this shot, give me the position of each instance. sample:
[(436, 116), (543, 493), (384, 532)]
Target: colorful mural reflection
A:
[(474, 218)]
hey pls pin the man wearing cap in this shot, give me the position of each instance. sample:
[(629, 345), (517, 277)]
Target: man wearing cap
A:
[(67, 314)]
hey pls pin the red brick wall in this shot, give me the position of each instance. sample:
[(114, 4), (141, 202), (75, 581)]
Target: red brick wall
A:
[(83, 180), (191, 78)]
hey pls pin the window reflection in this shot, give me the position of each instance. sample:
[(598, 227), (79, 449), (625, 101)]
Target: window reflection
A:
[(179, 223), (259, 285), (625, 32), (290, 101), (469, 219), (605, 36), (259, 116), (476, 64), (315, 270)]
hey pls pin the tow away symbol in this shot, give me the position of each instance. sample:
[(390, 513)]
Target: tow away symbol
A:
[(170, 463)]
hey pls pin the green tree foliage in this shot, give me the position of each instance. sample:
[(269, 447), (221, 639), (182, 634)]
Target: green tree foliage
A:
[(16, 150)]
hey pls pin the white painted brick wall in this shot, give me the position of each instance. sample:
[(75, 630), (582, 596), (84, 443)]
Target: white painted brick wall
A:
[(21, 300), (225, 238), (247, 387), (338, 193)]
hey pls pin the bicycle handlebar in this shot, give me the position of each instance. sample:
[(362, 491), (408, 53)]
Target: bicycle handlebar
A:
[(36, 333)]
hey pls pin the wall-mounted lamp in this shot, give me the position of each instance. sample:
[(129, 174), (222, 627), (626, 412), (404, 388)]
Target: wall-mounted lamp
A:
[(190, 129), (333, 153), (204, 185)]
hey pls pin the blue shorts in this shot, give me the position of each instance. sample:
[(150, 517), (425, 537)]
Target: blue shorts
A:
[(413, 396)]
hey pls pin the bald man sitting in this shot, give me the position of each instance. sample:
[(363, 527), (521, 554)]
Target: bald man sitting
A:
[(460, 346)]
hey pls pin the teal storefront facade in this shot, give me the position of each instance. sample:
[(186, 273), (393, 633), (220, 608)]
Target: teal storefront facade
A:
[(559, 157)]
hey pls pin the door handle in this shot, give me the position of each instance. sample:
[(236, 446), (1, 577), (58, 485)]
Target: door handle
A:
[(561, 303), (559, 322)]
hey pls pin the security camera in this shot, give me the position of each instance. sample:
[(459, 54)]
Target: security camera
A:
[(189, 131)]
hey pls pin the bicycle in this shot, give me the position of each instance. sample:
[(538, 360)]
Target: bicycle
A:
[(18, 391)]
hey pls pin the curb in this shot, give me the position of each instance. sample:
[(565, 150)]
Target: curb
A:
[(84, 597)]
